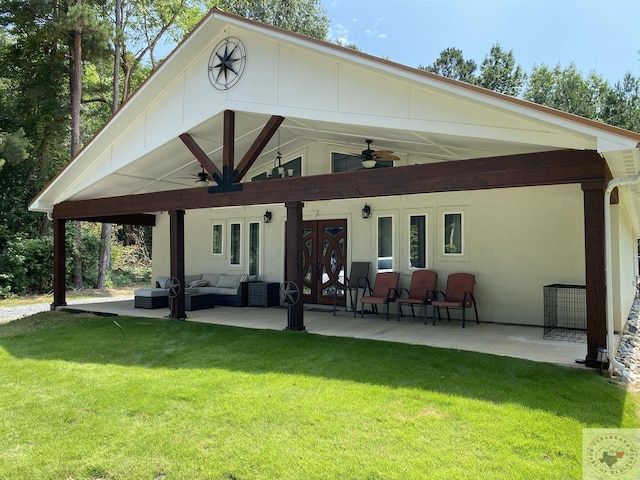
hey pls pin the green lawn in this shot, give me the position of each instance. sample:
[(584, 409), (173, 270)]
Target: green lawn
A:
[(86, 294), (163, 399)]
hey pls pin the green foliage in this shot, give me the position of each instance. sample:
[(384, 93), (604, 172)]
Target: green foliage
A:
[(301, 16), (452, 64), (13, 147), (499, 72), (568, 90), (25, 264), (622, 104)]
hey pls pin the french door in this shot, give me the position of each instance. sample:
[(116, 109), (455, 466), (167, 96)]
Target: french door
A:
[(324, 258)]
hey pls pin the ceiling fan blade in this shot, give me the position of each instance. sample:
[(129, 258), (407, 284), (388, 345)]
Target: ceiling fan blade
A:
[(386, 156)]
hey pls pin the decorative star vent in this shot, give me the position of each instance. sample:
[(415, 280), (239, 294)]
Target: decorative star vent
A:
[(226, 63)]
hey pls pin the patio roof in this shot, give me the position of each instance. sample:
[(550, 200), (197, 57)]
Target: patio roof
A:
[(422, 117)]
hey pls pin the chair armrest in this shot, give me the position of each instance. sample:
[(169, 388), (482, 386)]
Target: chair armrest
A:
[(399, 295), (391, 298), (363, 282), (430, 296), (465, 300)]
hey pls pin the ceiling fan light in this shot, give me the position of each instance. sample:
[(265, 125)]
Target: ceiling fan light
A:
[(369, 163), (201, 183)]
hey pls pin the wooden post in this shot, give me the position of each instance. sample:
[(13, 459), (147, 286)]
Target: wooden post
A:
[(294, 272), (176, 247), (59, 259), (595, 270)]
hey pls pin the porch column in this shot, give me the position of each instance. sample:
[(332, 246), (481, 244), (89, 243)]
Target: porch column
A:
[(59, 259), (176, 247), (294, 261), (595, 269)]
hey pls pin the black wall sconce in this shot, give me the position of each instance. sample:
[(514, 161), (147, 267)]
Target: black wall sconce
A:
[(267, 216), (366, 211)]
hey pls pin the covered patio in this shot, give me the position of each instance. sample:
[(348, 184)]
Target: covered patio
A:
[(525, 188), (518, 341)]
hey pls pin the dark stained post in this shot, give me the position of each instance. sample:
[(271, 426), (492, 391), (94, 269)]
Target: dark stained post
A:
[(595, 269), (294, 262), (228, 141), (176, 247), (59, 259)]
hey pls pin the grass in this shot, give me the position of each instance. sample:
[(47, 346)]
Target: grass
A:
[(85, 294), (162, 399)]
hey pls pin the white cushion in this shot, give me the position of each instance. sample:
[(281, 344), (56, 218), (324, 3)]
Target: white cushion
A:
[(161, 282), (150, 292), (212, 278), (199, 283), (229, 281)]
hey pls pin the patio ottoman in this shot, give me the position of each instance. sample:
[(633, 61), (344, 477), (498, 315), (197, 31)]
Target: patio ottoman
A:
[(151, 298), (198, 301)]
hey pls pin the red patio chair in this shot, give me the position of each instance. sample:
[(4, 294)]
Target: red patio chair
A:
[(458, 295), (384, 291), (421, 293)]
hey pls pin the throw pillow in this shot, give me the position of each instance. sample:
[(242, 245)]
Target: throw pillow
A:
[(199, 283)]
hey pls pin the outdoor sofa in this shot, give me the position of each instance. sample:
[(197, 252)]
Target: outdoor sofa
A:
[(222, 289)]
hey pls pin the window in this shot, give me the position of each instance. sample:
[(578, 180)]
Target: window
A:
[(254, 248), (452, 231), (417, 241), (344, 162), (385, 244), (234, 244), (292, 168), (216, 239)]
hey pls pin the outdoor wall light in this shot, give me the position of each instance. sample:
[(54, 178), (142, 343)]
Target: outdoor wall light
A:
[(366, 211), (267, 216)]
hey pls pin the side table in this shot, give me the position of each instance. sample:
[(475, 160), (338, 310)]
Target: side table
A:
[(264, 294)]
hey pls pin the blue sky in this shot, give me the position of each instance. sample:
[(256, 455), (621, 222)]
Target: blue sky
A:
[(600, 35)]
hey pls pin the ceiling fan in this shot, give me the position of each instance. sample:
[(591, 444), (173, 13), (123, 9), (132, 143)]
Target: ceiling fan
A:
[(371, 157), (202, 178)]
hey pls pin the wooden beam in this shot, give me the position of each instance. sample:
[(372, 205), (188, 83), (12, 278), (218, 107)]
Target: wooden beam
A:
[(59, 264), (200, 155), (258, 145), (228, 140), (142, 219), (545, 168), (594, 234), (294, 273), (176, 261)]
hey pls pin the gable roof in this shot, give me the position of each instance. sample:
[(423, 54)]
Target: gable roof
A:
[(332, 99)]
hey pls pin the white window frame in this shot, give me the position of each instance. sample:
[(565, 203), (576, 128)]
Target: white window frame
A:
[(221, 238), (427, 241), (377, 252), (231, 229), (443, 255), (260, 249)]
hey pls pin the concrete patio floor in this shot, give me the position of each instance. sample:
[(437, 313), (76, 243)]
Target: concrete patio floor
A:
[(498, 339)]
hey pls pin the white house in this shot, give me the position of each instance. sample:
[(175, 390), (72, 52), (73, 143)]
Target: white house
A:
[(513, 192)]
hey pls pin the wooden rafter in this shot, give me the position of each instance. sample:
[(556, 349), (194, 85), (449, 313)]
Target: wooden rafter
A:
[(200, 155), (258, 145)]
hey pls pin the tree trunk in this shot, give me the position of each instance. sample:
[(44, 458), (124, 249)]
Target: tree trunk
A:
[(76, 97), (105, 254), (107, 228)]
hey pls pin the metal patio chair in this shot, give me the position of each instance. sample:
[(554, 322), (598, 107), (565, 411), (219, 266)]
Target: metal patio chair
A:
[(384, 291), (421, 292), (458, 295), (359, 270)]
